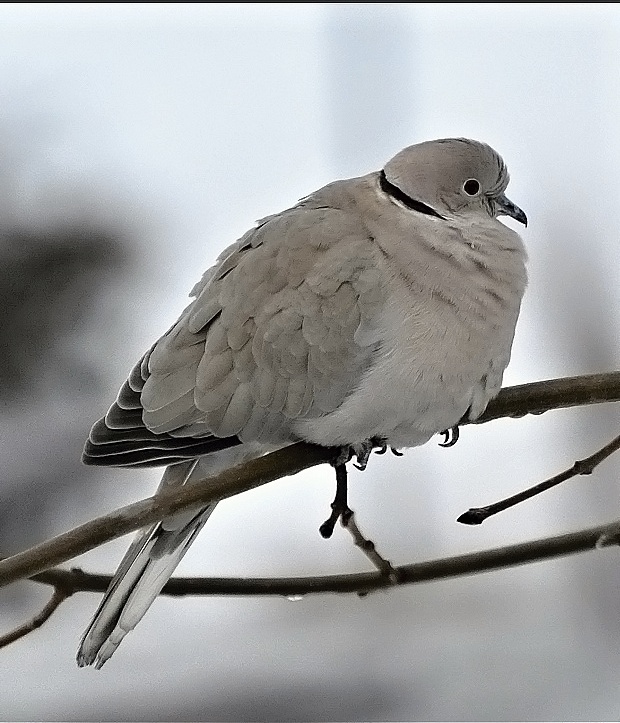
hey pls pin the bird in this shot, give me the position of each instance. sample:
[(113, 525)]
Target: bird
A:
[(379, 310)]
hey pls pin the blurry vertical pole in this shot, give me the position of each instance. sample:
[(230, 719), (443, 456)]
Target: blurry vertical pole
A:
[(368, 81), (370, 90)]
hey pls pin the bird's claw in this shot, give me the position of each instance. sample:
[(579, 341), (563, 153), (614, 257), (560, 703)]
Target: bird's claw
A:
[(361, 451), (451, 436), (362, 455)]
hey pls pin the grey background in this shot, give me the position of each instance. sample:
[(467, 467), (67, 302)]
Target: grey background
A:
[(136, 142)]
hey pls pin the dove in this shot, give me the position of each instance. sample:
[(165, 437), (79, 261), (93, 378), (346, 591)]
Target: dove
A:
[(378, 311)]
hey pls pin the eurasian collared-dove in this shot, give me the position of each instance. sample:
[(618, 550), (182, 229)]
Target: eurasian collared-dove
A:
[(378, 308)]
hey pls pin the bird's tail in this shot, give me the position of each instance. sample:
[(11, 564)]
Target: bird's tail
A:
[(145, 569)]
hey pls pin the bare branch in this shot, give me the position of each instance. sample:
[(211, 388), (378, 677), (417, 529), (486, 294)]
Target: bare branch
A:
[(233, 481), (59, 595), (516, 401), (539, 397), (441, 569), (368, 547), (477, 515)]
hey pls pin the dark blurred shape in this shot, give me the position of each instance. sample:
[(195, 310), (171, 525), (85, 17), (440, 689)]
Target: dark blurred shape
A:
[(51, 282), (51, 279), (340, 700)]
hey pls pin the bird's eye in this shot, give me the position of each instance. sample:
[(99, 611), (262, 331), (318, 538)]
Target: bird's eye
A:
[(471, 187)]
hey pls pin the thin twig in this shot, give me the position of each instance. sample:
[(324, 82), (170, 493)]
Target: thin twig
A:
[(472, 563), (367, 546), (59, 595), (477, 515), (515, 401)]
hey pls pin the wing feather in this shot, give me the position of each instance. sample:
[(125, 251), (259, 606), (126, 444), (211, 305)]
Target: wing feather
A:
[(278, 330)]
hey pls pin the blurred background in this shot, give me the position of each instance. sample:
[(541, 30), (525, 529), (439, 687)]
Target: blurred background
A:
[(137, 140)]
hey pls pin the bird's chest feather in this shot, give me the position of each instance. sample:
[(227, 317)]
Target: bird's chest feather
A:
[(448, 327), (444, 333)]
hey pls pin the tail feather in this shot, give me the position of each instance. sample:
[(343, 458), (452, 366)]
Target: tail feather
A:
[(146, 567), (153, 556)]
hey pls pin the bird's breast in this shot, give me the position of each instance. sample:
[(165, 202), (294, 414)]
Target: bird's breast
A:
[(446, 335)]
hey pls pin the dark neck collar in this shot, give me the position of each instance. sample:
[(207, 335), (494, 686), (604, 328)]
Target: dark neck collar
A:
[(406, 200)]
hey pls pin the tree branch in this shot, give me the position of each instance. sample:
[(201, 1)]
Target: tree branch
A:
[(61, 593), (233, 481), (540, 397), (367, 546), (477, 515), (444, 568), (515, 401)]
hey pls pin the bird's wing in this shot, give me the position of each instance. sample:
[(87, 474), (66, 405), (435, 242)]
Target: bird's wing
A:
[(281, 328)]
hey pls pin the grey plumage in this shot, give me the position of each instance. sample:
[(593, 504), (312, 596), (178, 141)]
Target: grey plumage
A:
[(382, 306)]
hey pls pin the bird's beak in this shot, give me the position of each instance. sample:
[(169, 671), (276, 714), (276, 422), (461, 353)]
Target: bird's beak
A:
[(505, 207)]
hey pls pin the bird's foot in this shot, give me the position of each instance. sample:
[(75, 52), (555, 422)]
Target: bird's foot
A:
[(361, 451), (451, 436), (340, 507), (383, 448)]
